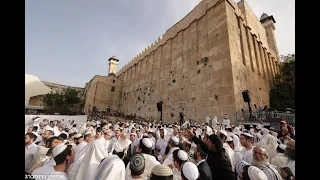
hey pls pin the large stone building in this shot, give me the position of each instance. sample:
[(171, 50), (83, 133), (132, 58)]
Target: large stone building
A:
[(200, 66), (103, 92)]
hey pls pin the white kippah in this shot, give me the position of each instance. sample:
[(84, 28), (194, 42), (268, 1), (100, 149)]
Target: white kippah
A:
[(256, 174), (229, 139), (58, 149), (182, 155), (282, 146), (175, 140), (147, 142), (223, 132), (78, 135), (247, 134), (88, 132), (190, 171)]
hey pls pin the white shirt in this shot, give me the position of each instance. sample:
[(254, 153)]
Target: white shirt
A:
[(48, 173), (30, 152), (200, 162), (247, 155)]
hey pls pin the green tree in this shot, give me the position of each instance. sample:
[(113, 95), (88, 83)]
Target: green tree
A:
[(71, 97), (282, 95), (49, 99), (59, 99)]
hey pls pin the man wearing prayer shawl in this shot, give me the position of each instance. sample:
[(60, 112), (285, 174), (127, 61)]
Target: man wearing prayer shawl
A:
[(111, 168), (88, 137), (63, 156), (95, 152), (268, 142), (44, 153), (162, 142), (145, 147), (260, 160), (228, 150), (30, 150), (173, 145), (280, 159), (226, 121)]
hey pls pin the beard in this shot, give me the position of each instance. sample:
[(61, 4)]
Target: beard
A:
[(290, 153), (259, 163)]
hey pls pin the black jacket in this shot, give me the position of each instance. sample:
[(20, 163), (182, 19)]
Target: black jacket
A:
[(205, 172), (219, 164)]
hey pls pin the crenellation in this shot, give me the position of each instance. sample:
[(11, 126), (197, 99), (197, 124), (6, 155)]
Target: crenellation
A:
[(171, 68)]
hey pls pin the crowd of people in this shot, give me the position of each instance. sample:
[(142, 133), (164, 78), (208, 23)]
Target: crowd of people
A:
[(134, 150)]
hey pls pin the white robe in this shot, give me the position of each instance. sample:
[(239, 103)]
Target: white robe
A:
[(162, 143), (291, 164), (39, 157), (80, 148), (150, 163), (230, 154), (279, 160), (49, 173), (111, 168), (169, 159), (269, 142), (91, 160)]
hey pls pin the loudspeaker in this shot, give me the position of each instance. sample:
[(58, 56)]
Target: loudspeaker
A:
[(159, 106), (246, 96)]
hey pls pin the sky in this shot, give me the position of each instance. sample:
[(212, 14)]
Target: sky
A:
[(68, 42)]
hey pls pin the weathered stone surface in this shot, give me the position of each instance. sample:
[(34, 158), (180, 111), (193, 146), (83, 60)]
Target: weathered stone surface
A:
[(172, 69)]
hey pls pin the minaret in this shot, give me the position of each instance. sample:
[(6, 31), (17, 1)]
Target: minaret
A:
[(113, 63), (268, 24)]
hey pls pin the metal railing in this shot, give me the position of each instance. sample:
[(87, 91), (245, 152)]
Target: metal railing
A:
[(264, 117)]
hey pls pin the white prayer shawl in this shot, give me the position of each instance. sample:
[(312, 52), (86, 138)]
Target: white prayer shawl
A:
[(198, 132), (238, 149), (80, 148), (236, 131), (270, 171), (39, 157), (153, 140), (279, 160), (111, 168), (73, 129), (269, 142), (214, 122), (89, 166), (150, 163), (169, 159), (230, 154), (208, 120), (226, 122), (49, 173), (291, 164), (209, 130), (74, 167)]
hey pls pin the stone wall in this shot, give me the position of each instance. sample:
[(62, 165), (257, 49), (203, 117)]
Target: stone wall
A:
[(253, 66), (171, 70), (99, 94)]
